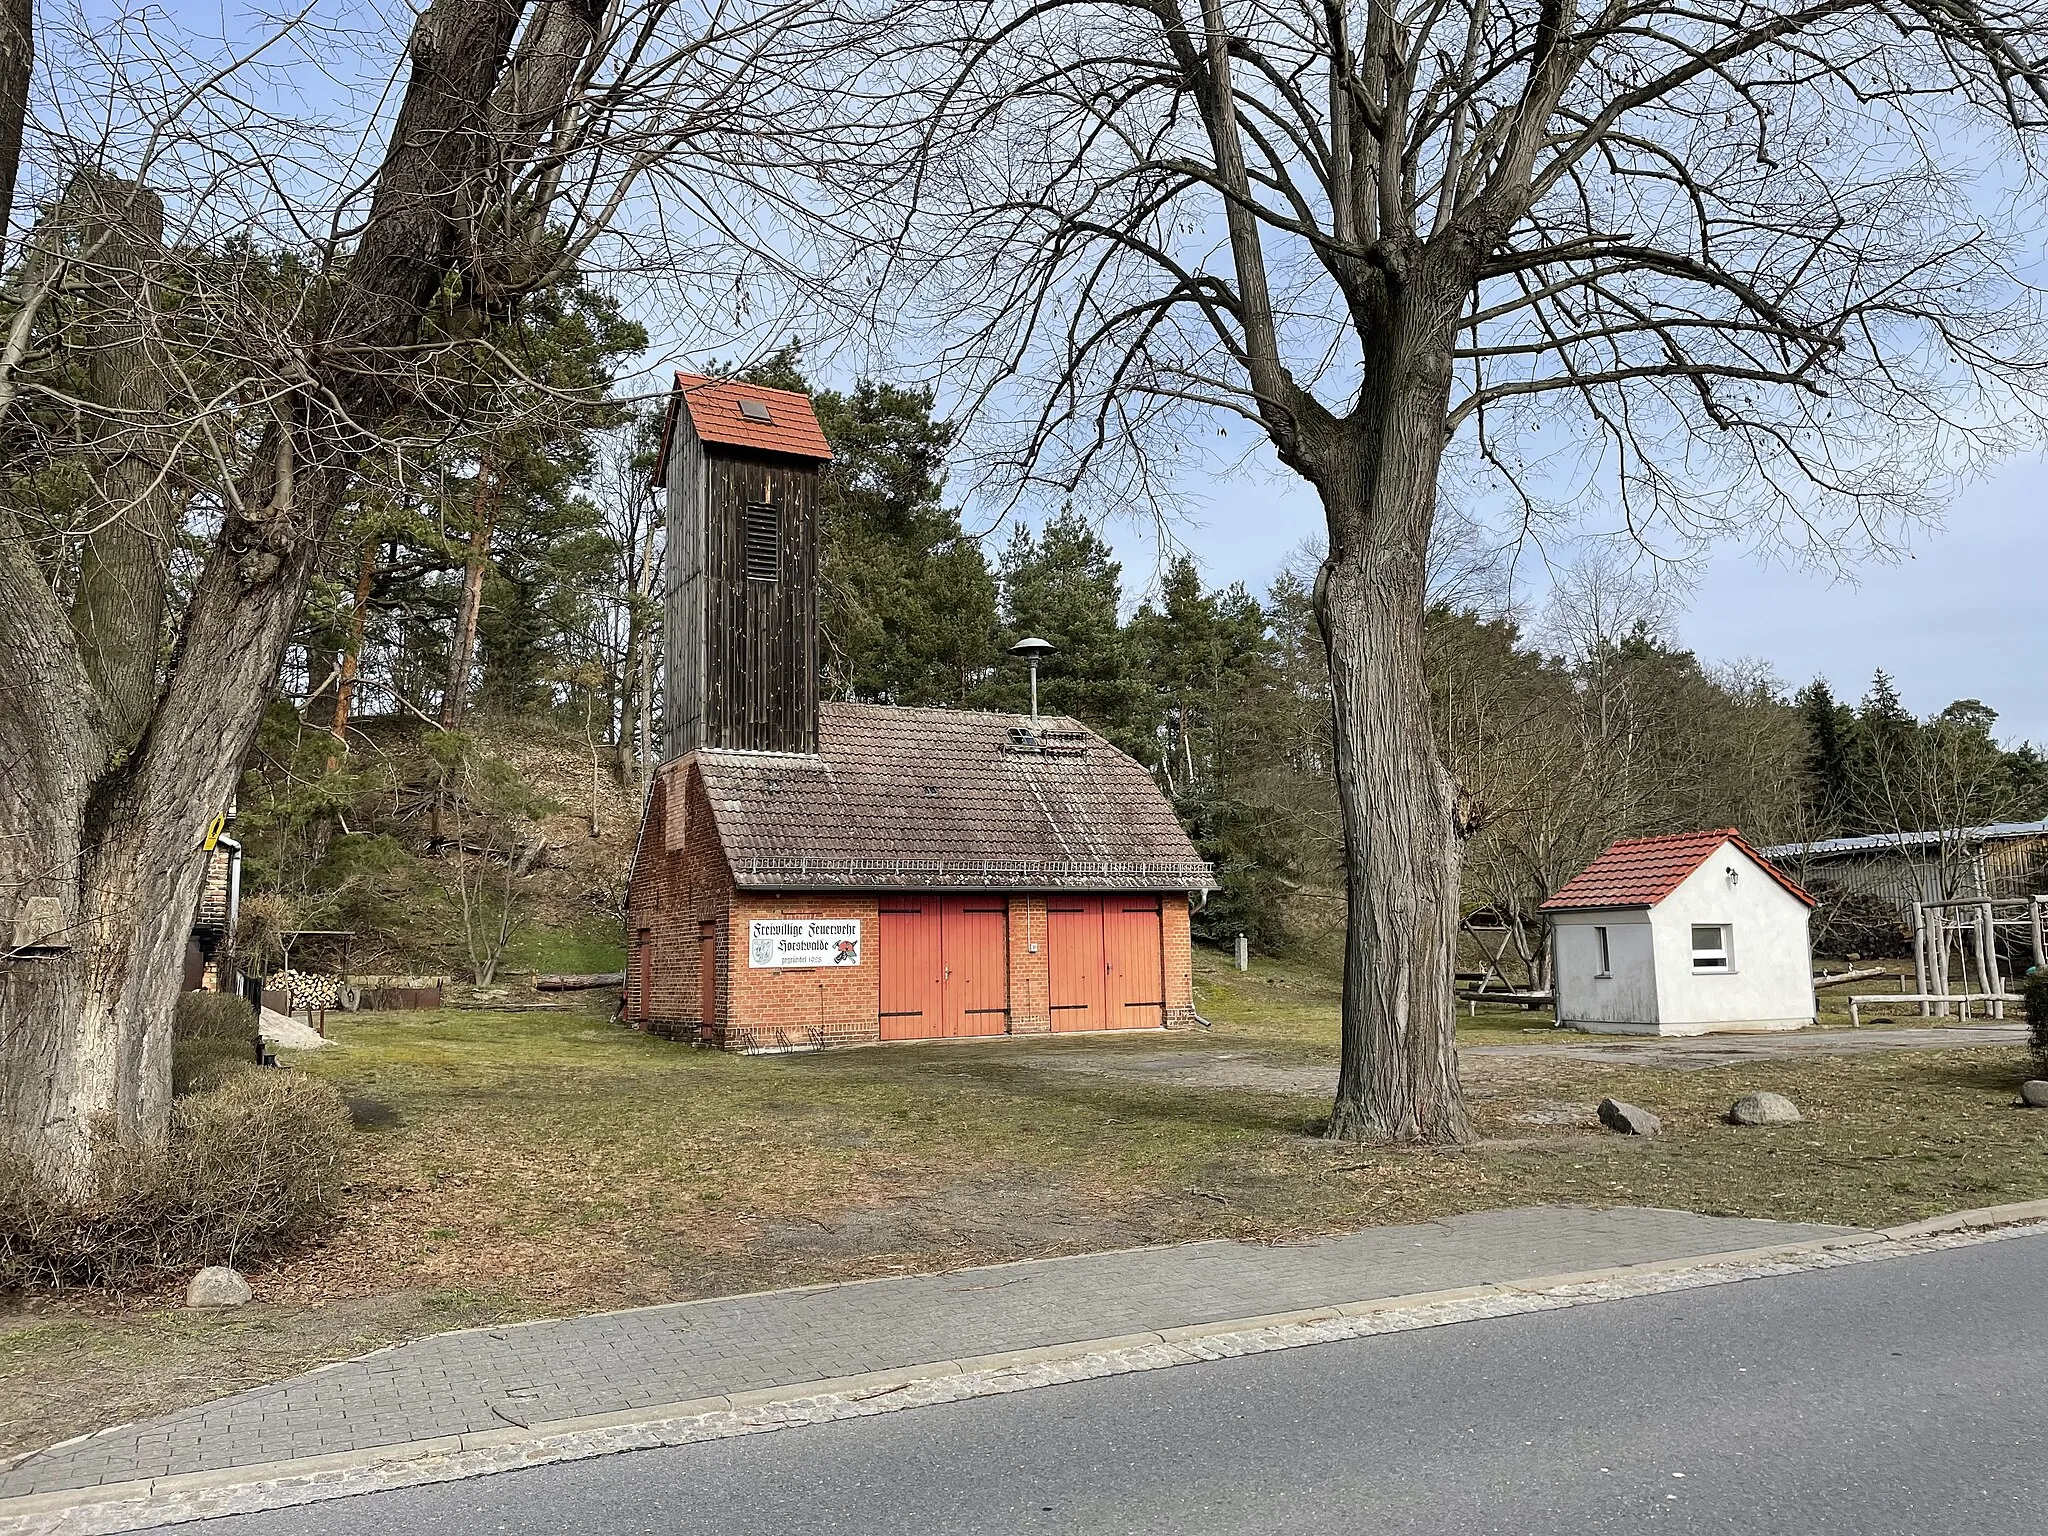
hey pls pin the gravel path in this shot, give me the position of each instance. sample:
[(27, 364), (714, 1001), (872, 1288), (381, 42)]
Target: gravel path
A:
[(1179, 1067)]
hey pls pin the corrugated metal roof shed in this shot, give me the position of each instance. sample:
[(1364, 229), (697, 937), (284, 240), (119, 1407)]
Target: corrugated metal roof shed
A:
[(1888, 842)]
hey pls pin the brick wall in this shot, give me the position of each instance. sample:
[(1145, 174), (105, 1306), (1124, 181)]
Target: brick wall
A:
[(771, 1009), (680, 882), (1030, 979), (1176, 943)]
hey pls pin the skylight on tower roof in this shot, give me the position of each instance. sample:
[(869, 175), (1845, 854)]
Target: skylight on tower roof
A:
[(756, 410)]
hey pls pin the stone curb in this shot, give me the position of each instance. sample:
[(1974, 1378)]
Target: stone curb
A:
[(142, 1503), (1962, 1221)]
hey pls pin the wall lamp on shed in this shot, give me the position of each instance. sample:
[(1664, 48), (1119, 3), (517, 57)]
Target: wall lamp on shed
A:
[(1031, 649)]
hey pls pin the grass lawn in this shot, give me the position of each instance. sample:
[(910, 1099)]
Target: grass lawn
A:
[(593, 945), (526, 1164)]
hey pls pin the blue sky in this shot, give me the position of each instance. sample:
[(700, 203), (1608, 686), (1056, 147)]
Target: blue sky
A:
[(1958, 614), (1961, 613)]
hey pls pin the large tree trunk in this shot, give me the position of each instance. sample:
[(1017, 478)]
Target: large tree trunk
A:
[(85, 1028), (17, 64), (113, 836), (1403, 822), (118, 606), (1398, 1071)]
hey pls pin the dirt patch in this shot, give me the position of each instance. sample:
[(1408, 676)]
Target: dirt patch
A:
[(980, 1221), (367, 1114), (1486, 1067), (1242, 1071), (1585, 1115), (1699, 1053)]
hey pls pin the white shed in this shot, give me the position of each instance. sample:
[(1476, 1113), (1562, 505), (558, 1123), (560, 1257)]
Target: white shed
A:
[(1691, 934)]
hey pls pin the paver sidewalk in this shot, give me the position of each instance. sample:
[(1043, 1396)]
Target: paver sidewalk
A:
[(487, 1379)]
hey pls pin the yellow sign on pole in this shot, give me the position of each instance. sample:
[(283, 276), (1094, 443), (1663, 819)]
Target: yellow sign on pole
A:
[(214, 828)]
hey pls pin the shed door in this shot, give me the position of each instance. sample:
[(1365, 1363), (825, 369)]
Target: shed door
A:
[(975, 965), (707, 975), (1073, 957), (1135, 974), (643, 974), (912, 986)]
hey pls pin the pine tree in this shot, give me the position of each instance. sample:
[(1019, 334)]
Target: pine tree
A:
[(907, 607), (1830, 789), (1208, 669), (1064, 585), (1884, 796)]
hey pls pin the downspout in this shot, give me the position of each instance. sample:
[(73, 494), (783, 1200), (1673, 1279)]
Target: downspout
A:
[(1200, 900)]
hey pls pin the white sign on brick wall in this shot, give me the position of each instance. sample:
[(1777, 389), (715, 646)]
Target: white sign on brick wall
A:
[(802, 941)]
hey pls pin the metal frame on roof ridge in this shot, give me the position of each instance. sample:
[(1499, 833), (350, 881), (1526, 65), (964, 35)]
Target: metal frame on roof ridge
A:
[(953, 712), (1173, 872), (756, 752)]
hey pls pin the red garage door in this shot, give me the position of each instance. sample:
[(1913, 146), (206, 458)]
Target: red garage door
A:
[(944, 967), (1105, 963), (1073, 956), (912, 993), (974, 956), (1135, 979)]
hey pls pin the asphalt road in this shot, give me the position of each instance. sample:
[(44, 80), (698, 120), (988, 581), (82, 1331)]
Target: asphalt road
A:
[(1908, 1396)]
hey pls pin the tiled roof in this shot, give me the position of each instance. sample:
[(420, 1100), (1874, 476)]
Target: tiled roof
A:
[(1642, 871), (945, 799), (714, 406)]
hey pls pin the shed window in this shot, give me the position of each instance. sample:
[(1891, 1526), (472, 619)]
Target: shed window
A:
[(761, 541), (1600, 938), (1709, 946)]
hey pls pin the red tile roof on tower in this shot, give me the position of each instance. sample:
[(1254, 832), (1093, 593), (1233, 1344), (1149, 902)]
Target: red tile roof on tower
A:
[(1642, 871), (714, 405)]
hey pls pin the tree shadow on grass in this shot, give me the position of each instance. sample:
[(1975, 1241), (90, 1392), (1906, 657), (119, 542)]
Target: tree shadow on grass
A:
[(1111, 1096), (1981, 1076)]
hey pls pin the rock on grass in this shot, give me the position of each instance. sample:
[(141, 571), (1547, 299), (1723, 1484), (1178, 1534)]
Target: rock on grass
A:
[(1629, 1119), (1763, 1109), (217, 1286)]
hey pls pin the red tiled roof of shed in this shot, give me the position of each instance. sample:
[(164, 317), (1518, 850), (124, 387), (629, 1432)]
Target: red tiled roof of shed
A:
[(1642, 871), (927, 799), (714, 406)]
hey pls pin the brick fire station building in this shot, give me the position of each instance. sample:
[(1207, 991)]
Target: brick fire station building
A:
[(830, 873)]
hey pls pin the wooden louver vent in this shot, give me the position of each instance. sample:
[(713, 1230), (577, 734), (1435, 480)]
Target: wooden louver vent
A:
[(761, 541)]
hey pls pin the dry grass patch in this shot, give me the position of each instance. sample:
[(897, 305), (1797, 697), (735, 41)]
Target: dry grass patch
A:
[(519, 1165)]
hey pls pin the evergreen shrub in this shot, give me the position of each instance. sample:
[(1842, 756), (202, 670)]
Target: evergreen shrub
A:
[(251, 1167), (2035, 993)]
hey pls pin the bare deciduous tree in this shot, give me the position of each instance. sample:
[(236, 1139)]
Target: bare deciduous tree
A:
[(322, 307), (1714, 266)]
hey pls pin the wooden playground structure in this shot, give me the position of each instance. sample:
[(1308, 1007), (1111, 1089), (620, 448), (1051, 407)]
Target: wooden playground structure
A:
[(1965, 951)]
